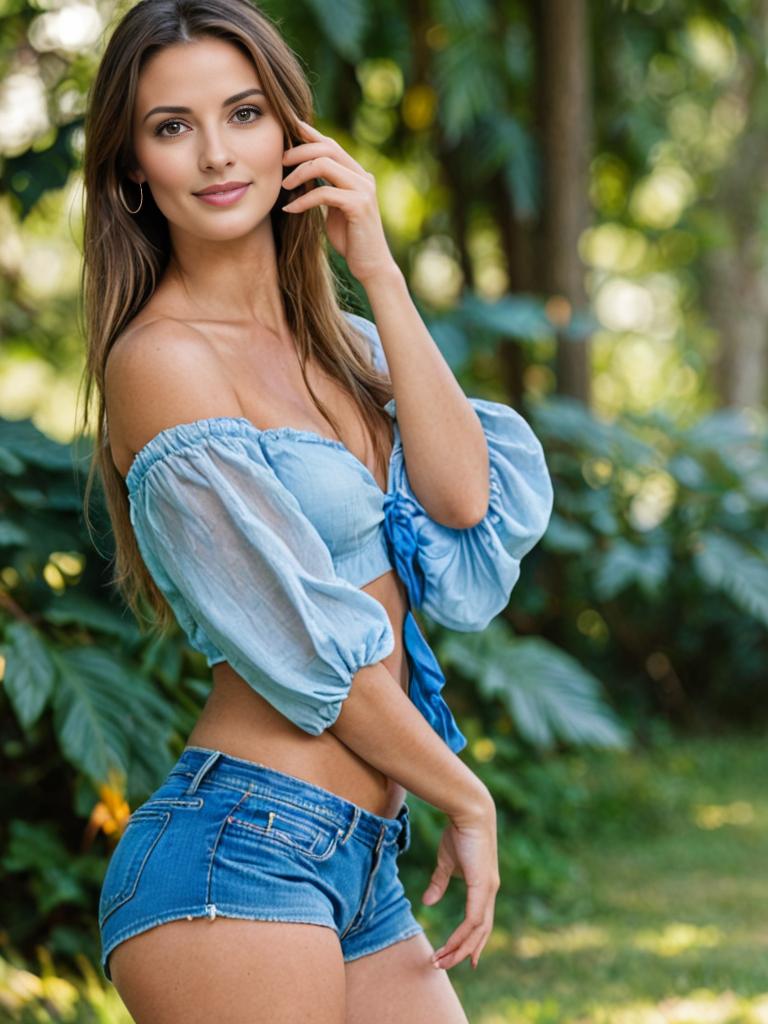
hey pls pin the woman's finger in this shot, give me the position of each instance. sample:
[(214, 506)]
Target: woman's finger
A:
[(328, 168), (479, 918), (475, 957), (472, 947), (326, 195), (483, 938), (466, 932), (314, 150), (321, 145)]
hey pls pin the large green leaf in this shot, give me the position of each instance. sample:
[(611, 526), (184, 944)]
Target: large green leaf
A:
[(103, 709), (30, 672), (467, 14), (56, 876), (468, 81), (501, 142), (624, 563), (344, 23), (548, 693), (566, 537), (725, 565), (522, 316), (23, 439), (79, 609)]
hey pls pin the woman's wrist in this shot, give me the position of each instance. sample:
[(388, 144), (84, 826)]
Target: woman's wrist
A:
[(473, 805), (379, 284)]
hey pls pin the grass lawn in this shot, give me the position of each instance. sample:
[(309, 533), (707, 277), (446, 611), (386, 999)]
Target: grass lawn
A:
[(668, 917), (663, 919)]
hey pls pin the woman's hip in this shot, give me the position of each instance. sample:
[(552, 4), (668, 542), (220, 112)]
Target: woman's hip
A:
[(224, 835)]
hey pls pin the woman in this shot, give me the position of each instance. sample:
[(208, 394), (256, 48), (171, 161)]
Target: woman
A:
[(252, 441)]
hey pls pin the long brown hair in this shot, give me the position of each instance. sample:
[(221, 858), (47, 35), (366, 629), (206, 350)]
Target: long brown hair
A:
[(124, 255)]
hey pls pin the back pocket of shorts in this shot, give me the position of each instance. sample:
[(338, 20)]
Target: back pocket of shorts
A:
[(290, 825), (129, 859)]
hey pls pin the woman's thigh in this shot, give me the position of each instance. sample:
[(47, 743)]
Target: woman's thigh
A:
[(399, 985), (231, 971)]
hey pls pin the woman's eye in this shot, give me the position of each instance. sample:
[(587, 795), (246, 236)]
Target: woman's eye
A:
[(160, 130), (247, 110)]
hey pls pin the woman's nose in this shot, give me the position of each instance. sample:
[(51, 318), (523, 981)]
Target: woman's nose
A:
[(214, 152)]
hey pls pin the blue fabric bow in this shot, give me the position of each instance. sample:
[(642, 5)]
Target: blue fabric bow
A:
[(403, 543), (426, 676), (427, 681)]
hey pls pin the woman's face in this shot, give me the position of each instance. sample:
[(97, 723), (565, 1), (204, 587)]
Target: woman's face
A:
[(228, 133)]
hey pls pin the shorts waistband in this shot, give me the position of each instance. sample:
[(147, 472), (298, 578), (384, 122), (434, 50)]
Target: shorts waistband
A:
[(200, 763)]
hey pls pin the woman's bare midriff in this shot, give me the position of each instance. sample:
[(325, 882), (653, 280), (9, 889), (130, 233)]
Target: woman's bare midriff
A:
[(238, 721)]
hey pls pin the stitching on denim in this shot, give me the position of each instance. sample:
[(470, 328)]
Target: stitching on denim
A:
[(273, 836), (214, 848), (291, 801), (328, 821), (118, 899), (357, 918), (291, 779), (169, 801), (238, 783)]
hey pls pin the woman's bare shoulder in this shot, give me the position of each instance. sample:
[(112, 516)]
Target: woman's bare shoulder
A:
[(159, 373)]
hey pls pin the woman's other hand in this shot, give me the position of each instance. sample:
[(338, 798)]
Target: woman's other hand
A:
[(468, 849)]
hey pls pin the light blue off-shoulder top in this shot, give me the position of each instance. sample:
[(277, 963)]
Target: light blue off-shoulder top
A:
[(260, 540)]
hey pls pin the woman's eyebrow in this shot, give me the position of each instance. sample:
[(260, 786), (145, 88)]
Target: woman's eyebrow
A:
[(188, 110)]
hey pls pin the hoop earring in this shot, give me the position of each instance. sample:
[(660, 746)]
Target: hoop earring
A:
[(122, 197)]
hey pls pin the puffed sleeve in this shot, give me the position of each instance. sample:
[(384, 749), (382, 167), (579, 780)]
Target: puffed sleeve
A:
[(248, 575), (462, 578)]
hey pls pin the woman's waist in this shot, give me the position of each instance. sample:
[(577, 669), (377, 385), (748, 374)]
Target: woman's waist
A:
[(238, 721)]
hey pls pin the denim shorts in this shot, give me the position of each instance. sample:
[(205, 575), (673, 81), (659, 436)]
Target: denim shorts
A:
[(227, 837)]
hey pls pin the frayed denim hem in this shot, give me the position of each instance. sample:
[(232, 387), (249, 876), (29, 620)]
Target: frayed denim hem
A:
[(407, 934)]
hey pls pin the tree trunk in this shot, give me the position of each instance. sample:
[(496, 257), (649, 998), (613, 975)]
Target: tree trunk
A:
[(564, 122), (735, 293)]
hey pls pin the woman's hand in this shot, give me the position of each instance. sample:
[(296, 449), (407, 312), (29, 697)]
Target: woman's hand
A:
[(353, 222), (467, 848)]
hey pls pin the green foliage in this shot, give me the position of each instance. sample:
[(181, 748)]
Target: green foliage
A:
[(546, 692), (45, 994), (658, 553), (95, 713)]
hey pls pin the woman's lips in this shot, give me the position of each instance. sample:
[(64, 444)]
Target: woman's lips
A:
[(224, 198)]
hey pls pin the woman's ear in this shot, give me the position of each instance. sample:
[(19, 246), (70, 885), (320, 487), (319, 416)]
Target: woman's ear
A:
[(131, 169)]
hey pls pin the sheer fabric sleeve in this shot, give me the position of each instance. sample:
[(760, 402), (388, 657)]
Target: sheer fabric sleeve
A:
[(242, 566), (463, 578)]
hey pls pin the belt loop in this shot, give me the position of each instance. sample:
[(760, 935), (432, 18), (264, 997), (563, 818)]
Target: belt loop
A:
[(202, 770), (380, 839), (352, 825)]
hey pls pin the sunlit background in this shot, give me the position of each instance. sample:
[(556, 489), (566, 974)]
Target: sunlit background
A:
[(576, 192)]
